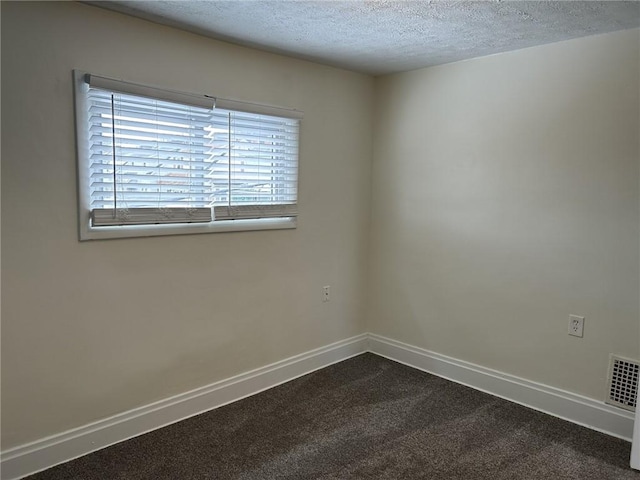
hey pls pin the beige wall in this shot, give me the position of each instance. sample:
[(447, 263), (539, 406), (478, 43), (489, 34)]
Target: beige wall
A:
[(95, 328), (505, 197)]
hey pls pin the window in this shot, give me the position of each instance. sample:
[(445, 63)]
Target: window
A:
[(159, 162)]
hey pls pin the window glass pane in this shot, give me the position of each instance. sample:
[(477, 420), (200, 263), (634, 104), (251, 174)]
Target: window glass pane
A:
[(256, 159), (148, 153), (162, 153)]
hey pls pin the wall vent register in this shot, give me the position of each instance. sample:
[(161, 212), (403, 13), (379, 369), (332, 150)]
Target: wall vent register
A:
[(622, 384)]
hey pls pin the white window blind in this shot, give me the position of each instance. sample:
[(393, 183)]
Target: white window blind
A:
[(154, 161), (255, 168)]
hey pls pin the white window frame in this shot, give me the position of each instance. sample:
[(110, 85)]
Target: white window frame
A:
[(89, 232)]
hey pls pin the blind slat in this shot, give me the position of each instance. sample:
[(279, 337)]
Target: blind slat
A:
[(144, 216), (255, 211)]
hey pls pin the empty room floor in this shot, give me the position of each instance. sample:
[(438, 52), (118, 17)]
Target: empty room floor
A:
[(363, 418)]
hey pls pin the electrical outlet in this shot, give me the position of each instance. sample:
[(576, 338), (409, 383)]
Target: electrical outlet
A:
[(326, 293), (576, 325)]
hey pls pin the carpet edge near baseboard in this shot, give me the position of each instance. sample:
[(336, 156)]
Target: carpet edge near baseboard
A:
[(559, 403)]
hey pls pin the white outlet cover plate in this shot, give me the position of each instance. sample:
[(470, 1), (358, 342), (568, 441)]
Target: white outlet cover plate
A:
[(326, 293), (576, 325)]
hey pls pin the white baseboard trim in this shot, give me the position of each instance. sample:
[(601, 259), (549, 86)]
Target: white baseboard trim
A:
[(45, 453), (553, 401)]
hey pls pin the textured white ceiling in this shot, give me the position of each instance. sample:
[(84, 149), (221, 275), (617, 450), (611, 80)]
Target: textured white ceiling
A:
[(384, 36)]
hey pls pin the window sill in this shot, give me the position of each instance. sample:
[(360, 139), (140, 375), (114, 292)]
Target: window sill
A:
[(131, 231)]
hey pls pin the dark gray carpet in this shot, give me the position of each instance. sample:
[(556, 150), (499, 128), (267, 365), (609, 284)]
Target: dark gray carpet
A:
[(364, 418)]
